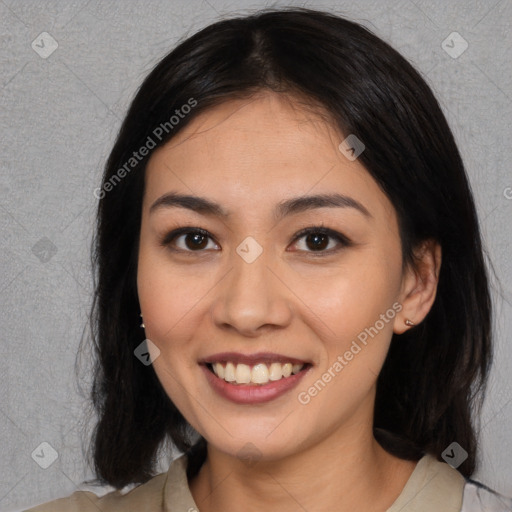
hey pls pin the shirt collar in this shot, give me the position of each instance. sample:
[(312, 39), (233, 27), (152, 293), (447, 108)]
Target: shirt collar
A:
[(433, 485)]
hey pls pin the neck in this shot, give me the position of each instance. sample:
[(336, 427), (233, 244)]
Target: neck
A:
[(349, 471)]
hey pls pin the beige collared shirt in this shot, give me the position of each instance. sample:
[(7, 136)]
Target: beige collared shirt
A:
[(432, 487)]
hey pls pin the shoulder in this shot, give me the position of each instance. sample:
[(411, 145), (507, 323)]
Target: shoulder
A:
[(437, 486), (147, 497), (155, 495), (478, 498)]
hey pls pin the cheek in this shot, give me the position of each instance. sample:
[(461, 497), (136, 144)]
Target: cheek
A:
[(167, 293), (355, 305), (354, 295), (167, 301), (356, 339)]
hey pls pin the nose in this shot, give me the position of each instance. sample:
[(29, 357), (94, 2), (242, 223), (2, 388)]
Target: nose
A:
[(252, 298)]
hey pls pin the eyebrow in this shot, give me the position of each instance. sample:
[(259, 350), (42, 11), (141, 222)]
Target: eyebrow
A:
[(283, 209)]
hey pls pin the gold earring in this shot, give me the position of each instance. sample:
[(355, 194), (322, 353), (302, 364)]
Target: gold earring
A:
[(142, 322), (408, 322)]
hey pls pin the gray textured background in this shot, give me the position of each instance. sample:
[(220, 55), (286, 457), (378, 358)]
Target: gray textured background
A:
[(59, 116)]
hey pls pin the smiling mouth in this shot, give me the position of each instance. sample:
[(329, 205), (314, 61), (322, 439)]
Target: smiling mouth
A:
[(258, 374)]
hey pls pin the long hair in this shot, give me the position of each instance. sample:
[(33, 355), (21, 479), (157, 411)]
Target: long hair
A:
[(433, 380)]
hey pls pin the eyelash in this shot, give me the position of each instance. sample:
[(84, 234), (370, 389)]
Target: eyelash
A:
[(343, 241)]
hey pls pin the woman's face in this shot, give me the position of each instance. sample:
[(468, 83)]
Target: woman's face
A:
[(256, 297)]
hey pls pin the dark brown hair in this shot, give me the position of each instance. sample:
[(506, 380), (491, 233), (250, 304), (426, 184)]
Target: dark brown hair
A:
[(433, 380)]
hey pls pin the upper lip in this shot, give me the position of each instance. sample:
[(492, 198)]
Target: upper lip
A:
[(251, 359)]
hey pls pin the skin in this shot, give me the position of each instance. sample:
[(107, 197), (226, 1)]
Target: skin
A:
[(247, 156)]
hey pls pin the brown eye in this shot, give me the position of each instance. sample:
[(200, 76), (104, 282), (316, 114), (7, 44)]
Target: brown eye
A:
[(196, 241), (187, 239), (321, 240), (317, 241)]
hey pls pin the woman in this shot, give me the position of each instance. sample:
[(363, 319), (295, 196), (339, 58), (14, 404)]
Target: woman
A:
[(286, 209)]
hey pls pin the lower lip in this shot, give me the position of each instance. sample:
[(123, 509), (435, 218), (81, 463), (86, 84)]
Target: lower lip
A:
[(252, 393)]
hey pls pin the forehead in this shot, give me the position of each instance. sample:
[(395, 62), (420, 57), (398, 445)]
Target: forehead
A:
[(267, 127), (257, 152)]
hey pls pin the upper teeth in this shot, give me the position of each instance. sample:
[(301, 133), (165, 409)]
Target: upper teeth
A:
[(258, 374)]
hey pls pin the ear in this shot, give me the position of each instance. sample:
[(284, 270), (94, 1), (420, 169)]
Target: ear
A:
[(419, 285)]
